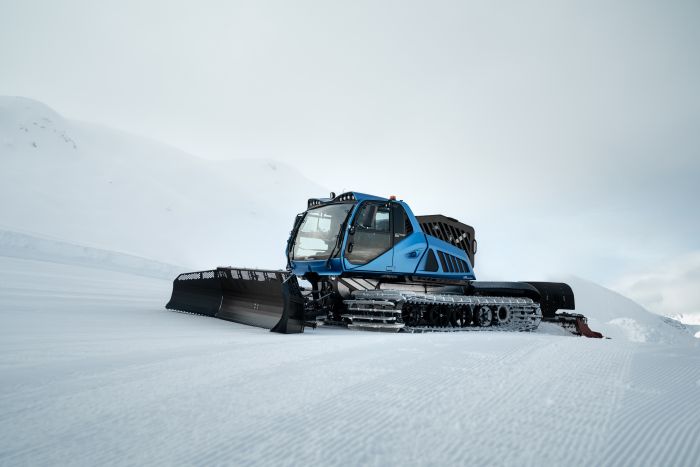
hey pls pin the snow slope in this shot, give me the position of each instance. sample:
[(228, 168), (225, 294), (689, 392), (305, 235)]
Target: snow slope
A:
[(619, 317), (92, 186), (17, 245), (97, 372)]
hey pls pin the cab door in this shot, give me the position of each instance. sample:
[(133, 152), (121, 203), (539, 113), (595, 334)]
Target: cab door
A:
[(370, 239), (409, 245)]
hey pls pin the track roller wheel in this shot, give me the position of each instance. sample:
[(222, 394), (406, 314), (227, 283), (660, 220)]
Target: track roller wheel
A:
[(437, 316), (444, 316), (432, 315), (484, 317), (411, 315), (504, 315)]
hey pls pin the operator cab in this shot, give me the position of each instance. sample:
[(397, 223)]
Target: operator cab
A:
[(359, 235), (351, 232)]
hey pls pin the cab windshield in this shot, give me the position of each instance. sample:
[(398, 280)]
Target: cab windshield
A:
[(318, 232)]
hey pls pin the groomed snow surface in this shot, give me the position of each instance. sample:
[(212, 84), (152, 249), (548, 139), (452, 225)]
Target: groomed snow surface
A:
[(96, 372)]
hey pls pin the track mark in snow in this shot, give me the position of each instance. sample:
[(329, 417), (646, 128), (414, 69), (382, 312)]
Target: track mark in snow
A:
[(475, 395), (658, 420)]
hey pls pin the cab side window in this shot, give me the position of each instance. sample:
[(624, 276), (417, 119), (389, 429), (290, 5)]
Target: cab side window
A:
[(402, 225), (372, 233)]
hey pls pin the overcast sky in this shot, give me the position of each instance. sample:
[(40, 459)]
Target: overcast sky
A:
[(567, 133)]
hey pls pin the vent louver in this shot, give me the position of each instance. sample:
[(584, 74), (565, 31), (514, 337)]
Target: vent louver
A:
[(451, 231)]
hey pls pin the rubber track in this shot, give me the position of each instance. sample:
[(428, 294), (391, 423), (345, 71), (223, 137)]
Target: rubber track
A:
[(525, 315)]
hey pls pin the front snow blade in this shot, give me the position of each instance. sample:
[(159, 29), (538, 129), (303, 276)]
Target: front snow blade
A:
[(266, 299), (197, 292)]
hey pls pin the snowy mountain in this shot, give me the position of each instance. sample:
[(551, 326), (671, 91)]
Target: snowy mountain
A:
[(692, 322), (620, 318), (88, 185)]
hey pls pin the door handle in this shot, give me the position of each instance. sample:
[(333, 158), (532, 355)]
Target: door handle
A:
[(414, 253)]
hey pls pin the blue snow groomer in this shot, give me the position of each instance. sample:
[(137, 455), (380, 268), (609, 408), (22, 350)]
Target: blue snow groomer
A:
[(370, 263)]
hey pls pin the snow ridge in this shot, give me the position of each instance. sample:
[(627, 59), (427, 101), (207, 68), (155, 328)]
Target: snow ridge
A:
[(25, 246), (619, 317)]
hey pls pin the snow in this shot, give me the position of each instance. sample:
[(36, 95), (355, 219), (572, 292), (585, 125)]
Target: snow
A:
[(96, 371), (18, 245), (94, 186), (96, 223), (619, 317), (668, 287)]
